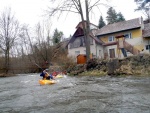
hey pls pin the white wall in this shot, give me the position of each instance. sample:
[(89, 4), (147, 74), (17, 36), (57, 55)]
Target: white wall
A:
[(71, 52), (135, 41), (96, 49), (93, 48)]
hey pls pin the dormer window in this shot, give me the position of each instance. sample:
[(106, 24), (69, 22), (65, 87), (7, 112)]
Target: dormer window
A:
[(111, 38), (127, 36)]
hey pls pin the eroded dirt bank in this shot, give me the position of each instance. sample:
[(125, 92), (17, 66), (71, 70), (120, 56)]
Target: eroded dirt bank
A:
[(134, 65)]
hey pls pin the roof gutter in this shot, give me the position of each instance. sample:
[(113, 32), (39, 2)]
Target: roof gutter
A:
[(117, 31)]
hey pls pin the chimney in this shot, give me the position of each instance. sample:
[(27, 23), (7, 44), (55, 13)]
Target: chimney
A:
[(141, 22)]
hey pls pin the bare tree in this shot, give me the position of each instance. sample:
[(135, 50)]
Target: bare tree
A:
[(9, 28), (144, 6), (36, 46), (43, 40), (76, 6), (28, 42)]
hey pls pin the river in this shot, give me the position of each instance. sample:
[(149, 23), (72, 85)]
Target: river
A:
[(77, 94)]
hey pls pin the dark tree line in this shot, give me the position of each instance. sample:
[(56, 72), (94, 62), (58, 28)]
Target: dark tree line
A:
[(112, 17)]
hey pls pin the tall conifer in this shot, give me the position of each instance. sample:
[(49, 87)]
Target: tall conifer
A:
[(101, 22)]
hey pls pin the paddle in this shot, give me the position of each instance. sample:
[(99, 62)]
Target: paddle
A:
[(38, 66), (43, 70)]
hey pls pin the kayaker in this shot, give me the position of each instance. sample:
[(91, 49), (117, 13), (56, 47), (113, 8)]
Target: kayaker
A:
[(54, 74), (46, 75)]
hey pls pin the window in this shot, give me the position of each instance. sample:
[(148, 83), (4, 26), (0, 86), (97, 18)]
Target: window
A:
[(147, 47), (77, 52), (111, 38), (128, 36)]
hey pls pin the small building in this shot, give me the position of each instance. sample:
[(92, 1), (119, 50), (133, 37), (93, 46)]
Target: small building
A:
[(76, 45), (81, 59)]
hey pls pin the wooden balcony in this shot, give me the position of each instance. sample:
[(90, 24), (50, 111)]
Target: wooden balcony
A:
[(130, 48)]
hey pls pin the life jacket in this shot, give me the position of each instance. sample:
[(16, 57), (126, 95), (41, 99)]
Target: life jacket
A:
[(42, 74), (54, 73)]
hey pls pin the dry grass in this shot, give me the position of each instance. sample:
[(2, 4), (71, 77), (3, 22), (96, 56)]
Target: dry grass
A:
[(94, 73)]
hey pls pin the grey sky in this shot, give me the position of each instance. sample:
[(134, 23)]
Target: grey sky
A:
[(31, 12)]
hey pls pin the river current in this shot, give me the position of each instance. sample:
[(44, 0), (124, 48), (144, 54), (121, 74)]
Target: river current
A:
[(75, 94)]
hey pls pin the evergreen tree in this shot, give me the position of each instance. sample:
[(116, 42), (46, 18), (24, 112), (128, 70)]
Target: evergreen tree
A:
[(101, 22), (120, 17), (112, 16), (57, 36)]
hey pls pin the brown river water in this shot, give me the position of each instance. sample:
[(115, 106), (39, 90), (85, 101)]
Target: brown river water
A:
[(77, 94)]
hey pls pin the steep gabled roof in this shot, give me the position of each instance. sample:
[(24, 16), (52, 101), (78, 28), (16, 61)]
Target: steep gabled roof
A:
[(81, 26), (120, 26), (96, 39), (79, 32), (146, 31)]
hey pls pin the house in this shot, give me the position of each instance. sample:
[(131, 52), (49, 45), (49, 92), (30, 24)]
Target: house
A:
[(76, 44), (124, 39), (117, 40)]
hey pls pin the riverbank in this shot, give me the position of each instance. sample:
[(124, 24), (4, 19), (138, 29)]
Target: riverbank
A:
[(7, 75), (134, 65)]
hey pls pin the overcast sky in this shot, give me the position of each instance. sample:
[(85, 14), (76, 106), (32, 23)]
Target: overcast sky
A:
[(32, 11)]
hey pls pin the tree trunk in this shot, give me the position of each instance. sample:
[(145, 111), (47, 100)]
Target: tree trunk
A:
[(87, 31), (6, 60)]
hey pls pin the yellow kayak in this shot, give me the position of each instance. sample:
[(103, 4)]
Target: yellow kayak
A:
[(59, 76), (44, 82)]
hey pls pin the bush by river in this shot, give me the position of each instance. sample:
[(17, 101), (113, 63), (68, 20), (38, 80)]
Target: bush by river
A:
[(133, 65)]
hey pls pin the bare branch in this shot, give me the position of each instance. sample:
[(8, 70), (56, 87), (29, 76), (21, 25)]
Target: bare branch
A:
[(98, 4), (94, 4), (76, 4), (67, 6)]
